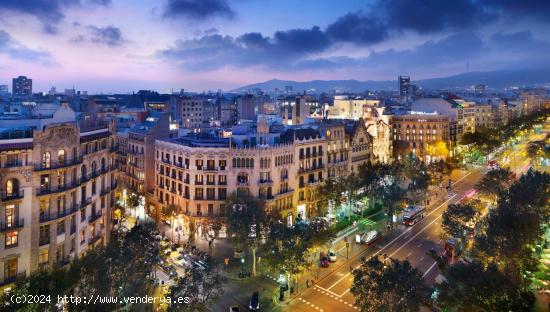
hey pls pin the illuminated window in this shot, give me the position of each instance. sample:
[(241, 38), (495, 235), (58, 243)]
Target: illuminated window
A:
[(11, 239)]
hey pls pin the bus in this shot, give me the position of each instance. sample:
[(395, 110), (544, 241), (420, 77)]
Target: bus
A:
[(413, 214)]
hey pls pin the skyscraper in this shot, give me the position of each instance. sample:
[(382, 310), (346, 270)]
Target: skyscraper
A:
[(21, 86), (404, 82)]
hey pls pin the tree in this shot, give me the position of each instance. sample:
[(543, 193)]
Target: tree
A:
[(458, 219), (474, 287), (213, 227), (246, 222), (438, 150), (387, 285), (394, 198), (288, 249), (329, 194), (170, 212), (495, 182), (200, 286), (513, 229)]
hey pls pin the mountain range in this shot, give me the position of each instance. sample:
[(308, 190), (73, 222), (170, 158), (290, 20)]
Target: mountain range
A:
[(497, 80)]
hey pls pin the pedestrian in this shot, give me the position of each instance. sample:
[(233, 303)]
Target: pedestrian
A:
[(307, 283)]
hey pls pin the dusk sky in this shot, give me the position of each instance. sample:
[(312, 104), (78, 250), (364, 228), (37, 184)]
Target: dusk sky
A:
[(126, 45)]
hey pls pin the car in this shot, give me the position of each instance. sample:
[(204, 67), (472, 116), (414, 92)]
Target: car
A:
[(331, 256), (324, 262), (234, 308), (254, 304), (367, 237)]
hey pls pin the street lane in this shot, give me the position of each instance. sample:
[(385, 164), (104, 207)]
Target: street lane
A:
[(332, 292)]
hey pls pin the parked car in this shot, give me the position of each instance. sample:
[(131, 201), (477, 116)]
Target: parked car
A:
[(254, 304), (331, 256), (323, 259), (234, 309)]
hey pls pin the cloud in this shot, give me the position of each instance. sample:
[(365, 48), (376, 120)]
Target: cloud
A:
[(109, 35), (198, 9), (49, 12), (358, 28), (16, 50), (250, 49)]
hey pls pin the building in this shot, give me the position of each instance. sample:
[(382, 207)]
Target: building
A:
[(4, 90), (21, 86), (404, 82), (295, 109), (350, 107), (140, 169), (56, 190), (281, 165), (189, 111), (425, 135)]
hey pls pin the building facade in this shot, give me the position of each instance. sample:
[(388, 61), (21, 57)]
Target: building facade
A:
[(57, 184)]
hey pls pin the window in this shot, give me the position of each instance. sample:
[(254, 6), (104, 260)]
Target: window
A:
[(10, 215), (11, 239), (83, 215), (59, 253), (199, 211), (222, 180), (61, 179), (93, 188), (198, 179), (199, 193), (10, 268), (44, 182), (61, 227), (46, 160), (198, 162), (82, 236), (44, 208), (210, 193), (223, 164), (210, 210), (12, 187), (210, 164), (222, 194), (44, 234), (43, 256), (61, 157)]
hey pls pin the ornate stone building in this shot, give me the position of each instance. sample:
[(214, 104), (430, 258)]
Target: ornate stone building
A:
[(56, 181)]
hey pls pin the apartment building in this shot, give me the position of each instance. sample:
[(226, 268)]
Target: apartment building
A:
[(56, 181), (280, 165), (419, 134)]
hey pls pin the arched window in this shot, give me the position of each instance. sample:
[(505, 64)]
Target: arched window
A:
[(284, 174), (12, 187), (103, 164), (46, 160), (61, 156), (242, 178), (74, 154), (83, 172), (251, 162), (94, 168)]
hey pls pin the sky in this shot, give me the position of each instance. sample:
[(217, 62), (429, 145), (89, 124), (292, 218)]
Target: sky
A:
[(107, 46)]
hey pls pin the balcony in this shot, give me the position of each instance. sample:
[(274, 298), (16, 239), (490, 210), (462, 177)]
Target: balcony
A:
[(60, 188), (57, 165), (265, 182), (13, 164), (166, 161), (94, 239), (46, 217), (12, 279), (243, 183), (312, 168), (283, 193), (105, 191), (19, 194), (210, 169), (85, 202), (17, 224), (44, 240), (95, 215)]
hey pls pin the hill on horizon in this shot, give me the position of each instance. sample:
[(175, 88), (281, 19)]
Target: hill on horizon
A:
[(499, 79)]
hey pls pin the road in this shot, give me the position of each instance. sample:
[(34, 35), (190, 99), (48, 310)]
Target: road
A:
[(332, 293)]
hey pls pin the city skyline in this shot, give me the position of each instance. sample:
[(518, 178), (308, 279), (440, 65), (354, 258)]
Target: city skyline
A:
[(97, 45)]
